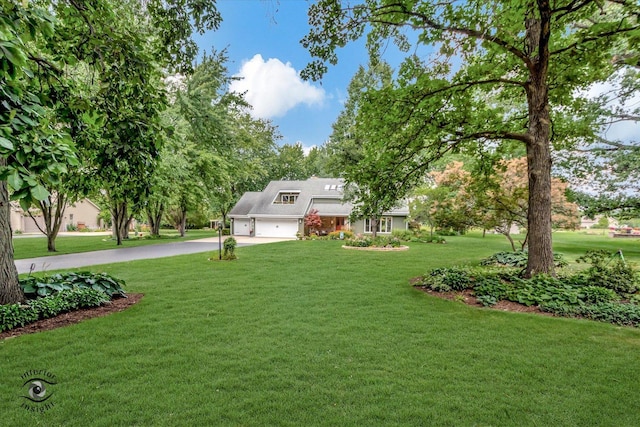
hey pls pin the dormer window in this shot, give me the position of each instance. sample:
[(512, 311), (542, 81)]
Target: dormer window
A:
[(286, 198)]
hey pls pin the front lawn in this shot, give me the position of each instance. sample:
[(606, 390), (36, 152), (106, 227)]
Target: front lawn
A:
[(34, 247), (305, 333)]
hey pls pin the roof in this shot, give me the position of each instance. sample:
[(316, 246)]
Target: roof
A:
[(324, 194), (246, 202)]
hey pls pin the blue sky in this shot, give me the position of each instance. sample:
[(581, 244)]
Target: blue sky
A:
[(262, 39)]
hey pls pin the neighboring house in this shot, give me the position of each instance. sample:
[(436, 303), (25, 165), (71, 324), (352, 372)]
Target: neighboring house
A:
[(279, 210), (83, 215)]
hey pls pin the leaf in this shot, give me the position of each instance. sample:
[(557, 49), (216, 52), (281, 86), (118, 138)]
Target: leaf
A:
[(4, 142), (39, 192), (14, 180)]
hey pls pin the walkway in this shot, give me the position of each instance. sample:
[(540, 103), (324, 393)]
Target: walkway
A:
[(109, 256)]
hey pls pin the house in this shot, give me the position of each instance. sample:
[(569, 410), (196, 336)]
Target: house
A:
[(279, 210), (82, 214)]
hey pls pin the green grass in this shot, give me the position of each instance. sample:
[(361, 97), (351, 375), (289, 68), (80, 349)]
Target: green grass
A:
[(305, 333), (34, 247)]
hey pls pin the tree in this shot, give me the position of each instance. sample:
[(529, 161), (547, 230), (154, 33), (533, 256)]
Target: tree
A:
[(290, 164), (312, 220), (88, 33), (505, 200), (350, 145), (29, 144), (530, 56)]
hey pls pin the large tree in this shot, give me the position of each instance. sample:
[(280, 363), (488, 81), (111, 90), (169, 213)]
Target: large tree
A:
[(32, 143), (528, 58), (30, 146)]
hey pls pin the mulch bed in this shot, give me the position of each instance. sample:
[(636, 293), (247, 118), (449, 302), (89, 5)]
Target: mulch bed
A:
[(64, 319)]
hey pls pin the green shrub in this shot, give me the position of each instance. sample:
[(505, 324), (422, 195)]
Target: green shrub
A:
[(634, 299), (610, 312), (598, 294), (363, 242), (489, 290), (379, 242), (518, 259), (447, 279), (229, 248), (13, 315), (335, 235), (34, 287), (607, 270), (403, 235)]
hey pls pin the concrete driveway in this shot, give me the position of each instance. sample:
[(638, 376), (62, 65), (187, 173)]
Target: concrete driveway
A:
[(109, 256)]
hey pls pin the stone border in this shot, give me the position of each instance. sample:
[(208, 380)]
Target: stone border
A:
[(376, 249)]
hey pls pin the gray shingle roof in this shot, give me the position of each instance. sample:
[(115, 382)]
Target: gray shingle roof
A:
[(324, 194)]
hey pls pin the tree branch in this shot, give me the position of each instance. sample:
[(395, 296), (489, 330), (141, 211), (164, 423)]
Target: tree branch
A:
[(429, 23)]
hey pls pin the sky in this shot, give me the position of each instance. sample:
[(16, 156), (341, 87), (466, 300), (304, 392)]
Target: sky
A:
[(262, 39)]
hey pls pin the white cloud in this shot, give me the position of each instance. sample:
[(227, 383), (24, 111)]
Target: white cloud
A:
[(273, 88), (307, 149)]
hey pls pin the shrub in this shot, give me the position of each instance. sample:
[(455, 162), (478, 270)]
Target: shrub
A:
[(447, 279), (335, 235), (13, 315), (518, 259), (229, 248), (619, 314), (598, 294), (34, 287), (608, 271), (378, 242), (403, 235)]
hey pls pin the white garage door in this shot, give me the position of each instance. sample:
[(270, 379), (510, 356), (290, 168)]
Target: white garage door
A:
[(241, 227), (276, 227)]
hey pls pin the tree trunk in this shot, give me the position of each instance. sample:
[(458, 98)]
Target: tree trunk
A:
[(373, 222), (10, 291), (119, 213), (154, 217), (53, 213), (539, 147), (182, 224)]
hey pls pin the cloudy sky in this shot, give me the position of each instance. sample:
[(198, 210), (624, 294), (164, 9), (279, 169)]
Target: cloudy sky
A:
[(262, 38)]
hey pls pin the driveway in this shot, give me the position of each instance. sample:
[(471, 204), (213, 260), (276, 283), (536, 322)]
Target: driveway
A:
[(109, 256)]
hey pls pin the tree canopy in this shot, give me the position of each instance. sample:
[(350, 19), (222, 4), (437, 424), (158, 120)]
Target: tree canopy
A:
[(500, 71)]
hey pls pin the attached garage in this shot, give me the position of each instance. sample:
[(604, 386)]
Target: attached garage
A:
[(276, 227), (241, 226)]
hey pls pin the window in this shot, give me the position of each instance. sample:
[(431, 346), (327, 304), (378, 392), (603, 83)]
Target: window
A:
[(288, 198), (384, 225)]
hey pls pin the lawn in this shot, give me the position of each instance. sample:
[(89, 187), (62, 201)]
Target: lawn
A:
[(306, 333), (33, 247)]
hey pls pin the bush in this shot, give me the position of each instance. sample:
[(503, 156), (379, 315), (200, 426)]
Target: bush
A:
[(518, 259), (607, 270), (378, 242), (403, 235), (34, 287), (13, 315), (598, 294), (619, 314), (447, 279), (335, 235), (229, 248)]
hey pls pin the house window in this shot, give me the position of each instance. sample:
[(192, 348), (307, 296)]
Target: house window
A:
[(384, 225), (288, 198)]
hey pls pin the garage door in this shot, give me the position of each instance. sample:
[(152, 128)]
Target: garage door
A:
[(276, 228), (241, 226)]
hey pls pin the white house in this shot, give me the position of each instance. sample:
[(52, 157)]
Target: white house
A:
[(279, 210)]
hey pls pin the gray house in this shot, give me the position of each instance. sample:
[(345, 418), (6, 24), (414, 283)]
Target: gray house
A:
[(279, 210)]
